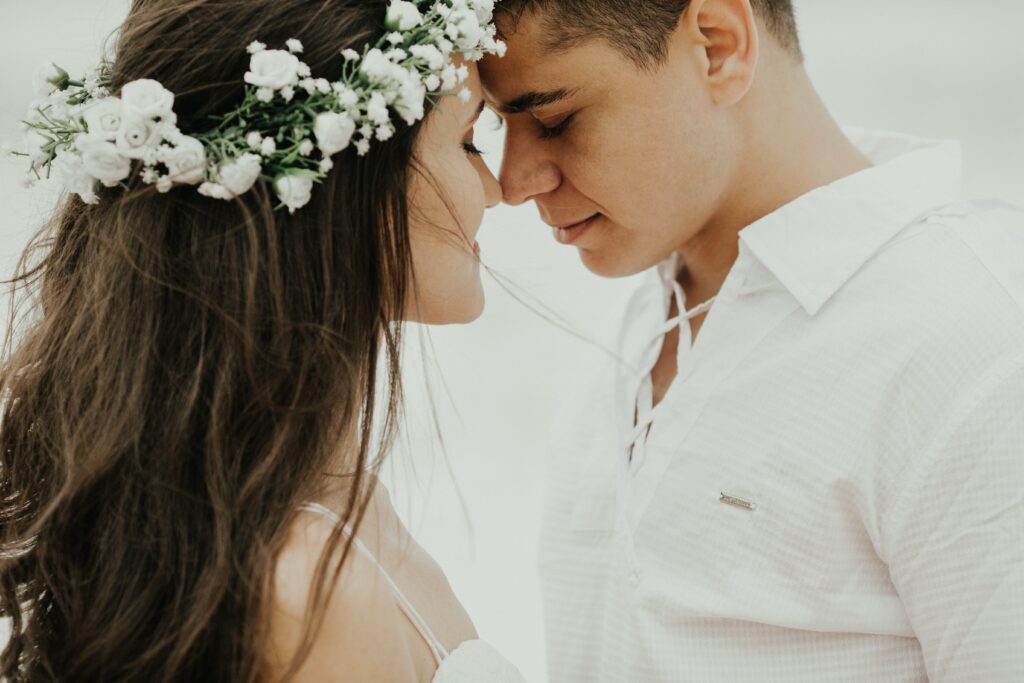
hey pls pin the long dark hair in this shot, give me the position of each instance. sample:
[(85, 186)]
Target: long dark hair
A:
[(190, 371)]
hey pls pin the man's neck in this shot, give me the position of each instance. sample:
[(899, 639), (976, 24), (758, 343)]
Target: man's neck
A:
[(795, 147)]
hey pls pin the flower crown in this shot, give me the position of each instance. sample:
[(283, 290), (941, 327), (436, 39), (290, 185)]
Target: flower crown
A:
[(288, 126)]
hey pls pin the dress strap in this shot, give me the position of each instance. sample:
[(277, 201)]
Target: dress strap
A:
[(436, 648)]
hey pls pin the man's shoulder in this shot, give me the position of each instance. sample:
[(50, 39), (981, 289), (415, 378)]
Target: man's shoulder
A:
[(993, 232), (967, 257)]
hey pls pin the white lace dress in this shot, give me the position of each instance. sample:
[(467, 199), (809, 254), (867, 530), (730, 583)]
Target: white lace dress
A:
[(474, 661)]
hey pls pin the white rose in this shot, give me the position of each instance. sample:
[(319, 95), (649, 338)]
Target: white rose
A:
[(104, 117), (137, 137), (294, 191), (215, 191), (410, 102), (102, 160), (273, 69), (148, 99), (403, 15), (76, 180), (333, 132), (186, 162), (240, 175)]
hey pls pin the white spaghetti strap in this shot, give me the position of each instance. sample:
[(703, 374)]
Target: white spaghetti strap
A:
[(436, 648)]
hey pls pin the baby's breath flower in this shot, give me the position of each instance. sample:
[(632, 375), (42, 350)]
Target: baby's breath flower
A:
[(377, 109), (449, 77), (89, 136), (403, 15), (348, 98)]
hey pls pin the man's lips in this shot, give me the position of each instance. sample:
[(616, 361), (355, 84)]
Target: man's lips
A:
[(570, 233), (573, 224)]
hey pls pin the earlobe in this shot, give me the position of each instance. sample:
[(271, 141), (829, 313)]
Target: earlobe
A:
[(731, 45)]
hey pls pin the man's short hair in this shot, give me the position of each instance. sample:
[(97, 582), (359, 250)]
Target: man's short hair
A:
[(639, 28)]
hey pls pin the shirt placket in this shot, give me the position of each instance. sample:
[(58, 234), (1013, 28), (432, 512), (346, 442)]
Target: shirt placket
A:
[(646, 413)]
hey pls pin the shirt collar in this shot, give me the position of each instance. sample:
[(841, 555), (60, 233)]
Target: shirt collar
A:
[(815, 244)]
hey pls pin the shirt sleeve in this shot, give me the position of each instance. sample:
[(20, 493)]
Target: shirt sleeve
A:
[(955, 540)]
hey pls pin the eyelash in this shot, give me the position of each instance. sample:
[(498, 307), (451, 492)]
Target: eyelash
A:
[(556, 131), (470, 148)]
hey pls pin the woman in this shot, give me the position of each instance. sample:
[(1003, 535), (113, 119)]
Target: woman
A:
[(191, 424)]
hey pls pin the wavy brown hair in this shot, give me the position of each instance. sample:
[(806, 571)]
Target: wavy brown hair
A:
[(189, 371)]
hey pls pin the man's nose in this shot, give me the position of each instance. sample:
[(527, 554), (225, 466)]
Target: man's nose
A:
[(526, 172)]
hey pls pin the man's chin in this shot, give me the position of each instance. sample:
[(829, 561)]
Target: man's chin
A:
[(608, 264)]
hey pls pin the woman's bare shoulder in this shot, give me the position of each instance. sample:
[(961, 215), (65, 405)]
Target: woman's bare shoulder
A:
[(364, 636)]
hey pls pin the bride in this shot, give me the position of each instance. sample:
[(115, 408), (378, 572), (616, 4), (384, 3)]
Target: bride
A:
[(195, 408)]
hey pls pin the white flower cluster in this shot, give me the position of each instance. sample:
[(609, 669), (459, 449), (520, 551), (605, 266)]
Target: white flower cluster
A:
[(90, 137)]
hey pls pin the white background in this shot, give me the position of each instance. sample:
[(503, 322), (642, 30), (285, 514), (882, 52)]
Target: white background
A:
[(935, 67)]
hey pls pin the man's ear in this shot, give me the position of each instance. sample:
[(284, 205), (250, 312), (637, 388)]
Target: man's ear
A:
[(726, 33)]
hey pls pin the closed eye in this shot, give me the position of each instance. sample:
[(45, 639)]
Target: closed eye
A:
[(550, 132)]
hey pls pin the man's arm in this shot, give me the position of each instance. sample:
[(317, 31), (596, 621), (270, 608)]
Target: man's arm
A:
[(954, 539)]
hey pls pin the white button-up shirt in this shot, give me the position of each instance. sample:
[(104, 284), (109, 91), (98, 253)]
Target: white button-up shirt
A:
[(833, 487)]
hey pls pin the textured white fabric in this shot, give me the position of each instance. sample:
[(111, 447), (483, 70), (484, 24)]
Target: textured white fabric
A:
[(477, 662), (859, 382)]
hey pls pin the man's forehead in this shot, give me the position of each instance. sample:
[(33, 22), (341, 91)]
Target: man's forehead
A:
[(529, 76)]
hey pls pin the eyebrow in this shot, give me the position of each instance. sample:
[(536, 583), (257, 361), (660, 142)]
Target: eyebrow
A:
[(536, 100)]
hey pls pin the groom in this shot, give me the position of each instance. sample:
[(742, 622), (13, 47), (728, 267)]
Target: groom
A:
[(808, 463)]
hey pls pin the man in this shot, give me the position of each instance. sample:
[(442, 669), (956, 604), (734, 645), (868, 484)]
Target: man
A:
[(808, 462)]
